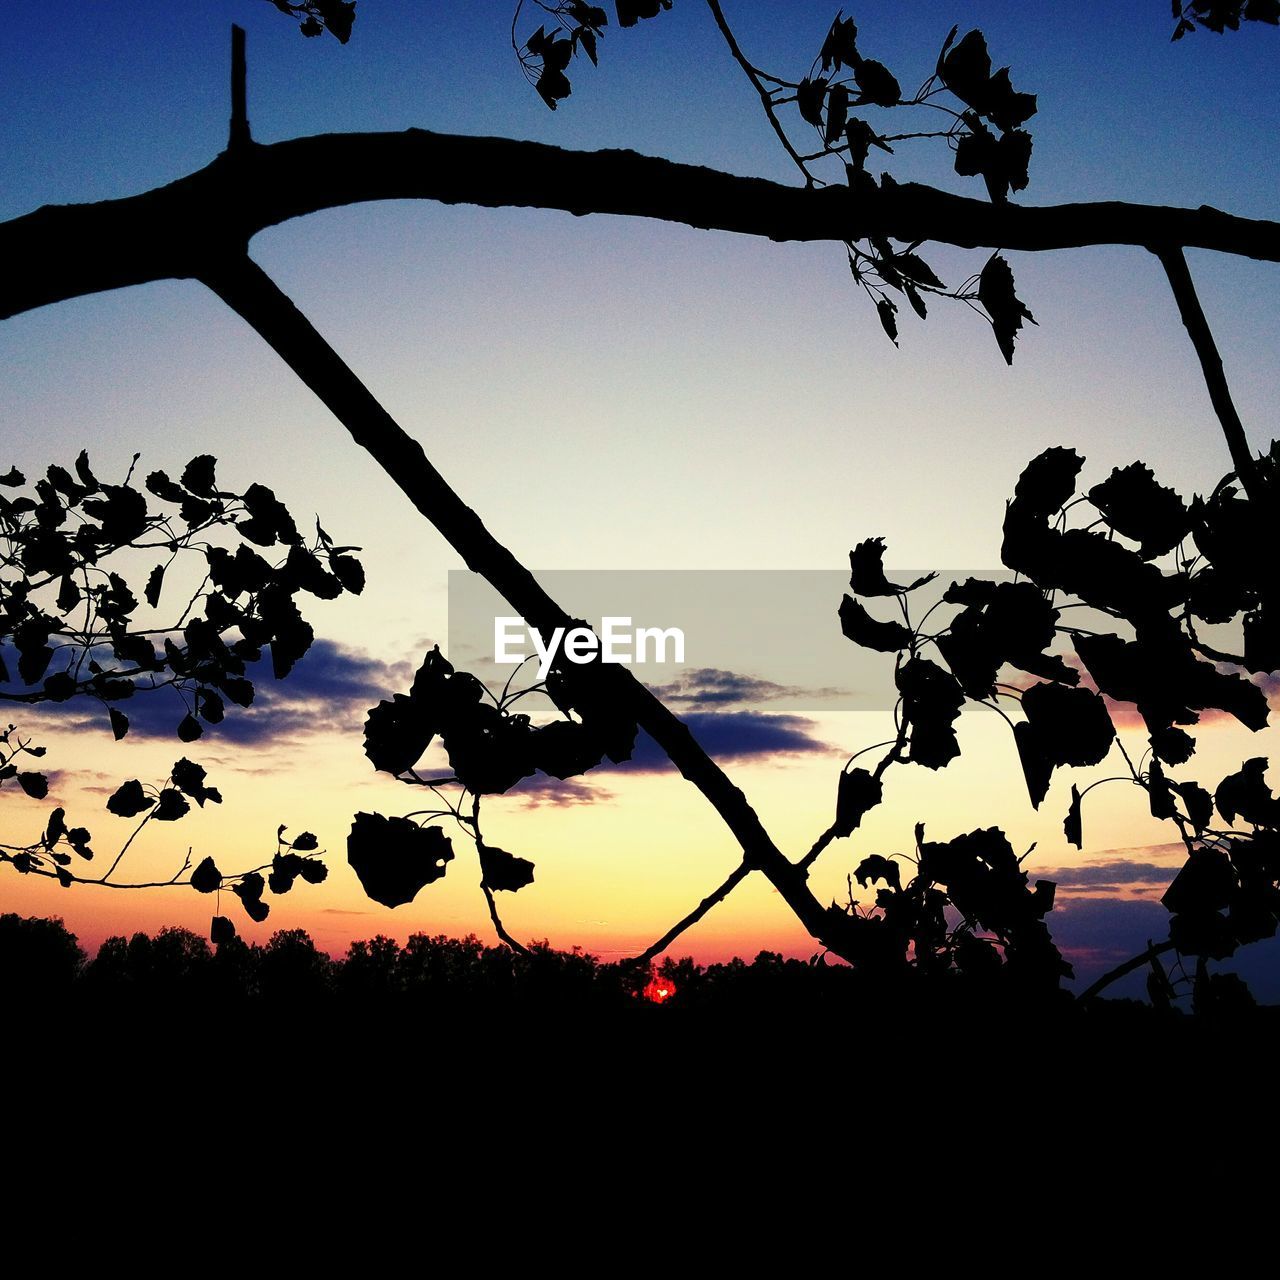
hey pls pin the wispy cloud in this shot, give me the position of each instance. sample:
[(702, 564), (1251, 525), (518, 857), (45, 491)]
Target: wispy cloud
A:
[(713, 686)]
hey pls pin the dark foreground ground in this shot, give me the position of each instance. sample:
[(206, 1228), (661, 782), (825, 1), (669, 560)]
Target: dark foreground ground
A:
[(444, 1052)]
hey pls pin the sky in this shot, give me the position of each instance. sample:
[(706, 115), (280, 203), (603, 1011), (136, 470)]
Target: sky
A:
[(619, 394)]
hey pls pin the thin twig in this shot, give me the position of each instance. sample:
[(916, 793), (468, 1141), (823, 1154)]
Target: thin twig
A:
[(1122, 970), (754, 76), (1174, 263), (735, 878)]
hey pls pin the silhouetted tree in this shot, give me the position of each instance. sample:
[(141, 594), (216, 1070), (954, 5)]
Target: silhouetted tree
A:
[(183, 231), (38, 957), (80, 632)]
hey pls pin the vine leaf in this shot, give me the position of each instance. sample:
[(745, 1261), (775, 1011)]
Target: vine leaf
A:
[(502, 870), (206, 878), (859, 792), (868, 632), (1005, 309), (394, 857), (129, 800)]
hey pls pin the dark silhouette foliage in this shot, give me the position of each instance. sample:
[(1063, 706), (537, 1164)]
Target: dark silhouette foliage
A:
[(72, 627)]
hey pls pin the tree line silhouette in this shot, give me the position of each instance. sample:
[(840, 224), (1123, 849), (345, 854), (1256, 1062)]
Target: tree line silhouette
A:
[(176, 969)]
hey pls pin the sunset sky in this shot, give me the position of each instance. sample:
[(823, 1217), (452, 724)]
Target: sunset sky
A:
[(616, 394)]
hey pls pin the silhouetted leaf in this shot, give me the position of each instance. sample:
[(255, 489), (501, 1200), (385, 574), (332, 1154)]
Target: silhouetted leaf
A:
[(866, 571), (837, 113), (198, 477), (1134, 505), (206, 878), (285, 869), (503, 870), (154, 582), (36, 785), (1262, 639), (1245, 794), (129, 799), (1037, 767), (305, 842), (189, 728), (1198, 803), (876, 83), (249, 891), (996, 293), (396, 733), (887, 310), (1204, 883), (68, 595), (394, 857), (877, 867), (269, 520), (1159, 792), (171, 807), (858, 792), (1073, 724), (868, 632), (840, 48), (1002, 163), (221, 930), (565, 749), (931, 701), (121, 511), (313, 871), (1071, 824), (810, 98), (189, 778), (632, 11), (60, 686), (1048, 482), (349, 571)]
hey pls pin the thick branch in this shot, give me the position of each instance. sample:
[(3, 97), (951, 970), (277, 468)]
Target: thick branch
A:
[(1197, 326), (172, 232), (251, 293)]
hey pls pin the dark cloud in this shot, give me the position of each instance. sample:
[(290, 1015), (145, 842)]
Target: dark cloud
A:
[(713, 686), (1097, 933), (330, 690), (731, 735), (1100, 876)]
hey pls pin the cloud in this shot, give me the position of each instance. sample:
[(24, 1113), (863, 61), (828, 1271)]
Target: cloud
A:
[(713, 686), (731, 735), (330, 690), (541, 791), (1101, 876), (1097, 933)]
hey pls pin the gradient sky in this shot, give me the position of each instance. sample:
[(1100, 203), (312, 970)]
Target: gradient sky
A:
[(742, 389)]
